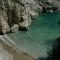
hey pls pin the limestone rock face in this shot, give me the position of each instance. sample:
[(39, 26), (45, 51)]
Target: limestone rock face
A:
[(14, 28), (4, 27), (19, 12), (16, 13)]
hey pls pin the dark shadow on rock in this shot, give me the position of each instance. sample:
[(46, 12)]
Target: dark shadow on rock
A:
[(23, 28), (44, 10), (1, 33)]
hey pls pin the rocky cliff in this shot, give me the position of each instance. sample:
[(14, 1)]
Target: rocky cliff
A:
[(16, 14)]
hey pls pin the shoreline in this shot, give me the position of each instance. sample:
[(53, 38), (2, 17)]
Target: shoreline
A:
[(17, 55)]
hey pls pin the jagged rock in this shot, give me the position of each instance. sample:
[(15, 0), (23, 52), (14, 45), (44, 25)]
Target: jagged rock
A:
[(51, 10), (20, 12), (14, 28), (24, 24), (4, 27)]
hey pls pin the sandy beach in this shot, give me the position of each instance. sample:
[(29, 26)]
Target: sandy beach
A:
[(10, 53)]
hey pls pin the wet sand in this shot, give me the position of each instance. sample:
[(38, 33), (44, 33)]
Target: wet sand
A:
[(11, 53)]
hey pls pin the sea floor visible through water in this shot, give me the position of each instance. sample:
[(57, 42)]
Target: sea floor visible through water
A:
[(40, 37)]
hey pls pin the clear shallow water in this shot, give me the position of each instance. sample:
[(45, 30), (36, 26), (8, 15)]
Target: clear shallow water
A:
[(41, 35)]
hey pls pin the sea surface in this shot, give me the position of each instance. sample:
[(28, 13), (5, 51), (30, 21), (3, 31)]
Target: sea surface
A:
[(40, 37)]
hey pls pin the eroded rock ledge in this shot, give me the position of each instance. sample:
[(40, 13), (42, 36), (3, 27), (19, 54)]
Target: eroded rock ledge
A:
[(16, 14)]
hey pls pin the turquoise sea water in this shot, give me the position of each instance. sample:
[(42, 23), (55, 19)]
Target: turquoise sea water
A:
[(41, 35)]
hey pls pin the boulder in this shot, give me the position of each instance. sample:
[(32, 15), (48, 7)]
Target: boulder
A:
[(24, 24), (14, 28)]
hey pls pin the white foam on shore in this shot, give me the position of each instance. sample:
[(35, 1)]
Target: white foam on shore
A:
[(11, 43)]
